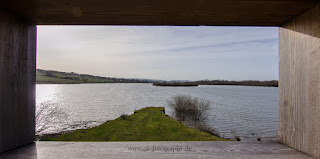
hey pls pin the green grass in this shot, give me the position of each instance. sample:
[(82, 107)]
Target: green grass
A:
[(42, 78), (147, 124), (59, 79), (56, 77)]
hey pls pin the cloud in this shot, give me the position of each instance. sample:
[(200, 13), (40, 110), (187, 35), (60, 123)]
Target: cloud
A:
[(161, 52)]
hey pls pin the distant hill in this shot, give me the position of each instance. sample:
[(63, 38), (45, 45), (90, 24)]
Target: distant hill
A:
[(56, 77)]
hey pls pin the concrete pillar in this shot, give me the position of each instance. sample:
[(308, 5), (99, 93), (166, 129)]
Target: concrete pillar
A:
[(17, 81), (299, 83)]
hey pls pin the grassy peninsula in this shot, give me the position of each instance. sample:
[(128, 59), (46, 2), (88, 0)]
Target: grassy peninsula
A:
[(147, 124)]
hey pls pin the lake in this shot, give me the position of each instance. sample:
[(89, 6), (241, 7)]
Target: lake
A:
[(244, 111)]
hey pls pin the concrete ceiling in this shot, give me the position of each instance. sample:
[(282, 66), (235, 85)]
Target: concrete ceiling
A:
[(159, 12)]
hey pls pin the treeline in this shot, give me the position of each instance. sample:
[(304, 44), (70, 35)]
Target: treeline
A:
[(57, 77), (176, 84), (272, 83)]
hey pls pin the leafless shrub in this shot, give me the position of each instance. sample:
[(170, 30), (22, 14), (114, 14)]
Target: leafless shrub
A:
[(187, 107), (47, 113), (180, 106), (198, 109)]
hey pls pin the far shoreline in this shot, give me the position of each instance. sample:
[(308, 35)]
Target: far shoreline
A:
[(56, 77), (41, 83)]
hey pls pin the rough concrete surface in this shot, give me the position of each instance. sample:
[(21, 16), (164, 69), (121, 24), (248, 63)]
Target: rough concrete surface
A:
[(17, 81), (154, 150), (160, 12), (299, 83)]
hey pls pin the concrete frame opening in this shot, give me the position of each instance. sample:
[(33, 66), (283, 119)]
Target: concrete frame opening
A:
[(299, 105), (247, 132)]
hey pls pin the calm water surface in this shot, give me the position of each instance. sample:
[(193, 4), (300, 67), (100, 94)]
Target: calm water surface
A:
[(244, 111)]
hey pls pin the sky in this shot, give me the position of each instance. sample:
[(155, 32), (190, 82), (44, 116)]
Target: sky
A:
[(161, 52)]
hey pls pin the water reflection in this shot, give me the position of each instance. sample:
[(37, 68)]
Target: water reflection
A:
[(248, 112)]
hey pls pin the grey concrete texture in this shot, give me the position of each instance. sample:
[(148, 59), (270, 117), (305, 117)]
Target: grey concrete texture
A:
[(299, 56), (160, 12), (17, 81), (154, 150), (299, 83)]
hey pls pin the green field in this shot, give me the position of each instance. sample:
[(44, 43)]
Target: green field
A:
[(63, 79), (56, 77), (147, 124)]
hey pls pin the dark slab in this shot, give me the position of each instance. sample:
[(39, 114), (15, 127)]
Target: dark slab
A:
[(160, 12)]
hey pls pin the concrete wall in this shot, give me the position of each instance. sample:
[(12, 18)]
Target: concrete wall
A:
[(299, 86), (299, 101), (17, 81), (160, 12)]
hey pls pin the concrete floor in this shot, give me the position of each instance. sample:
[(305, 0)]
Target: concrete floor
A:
[(151, 150)]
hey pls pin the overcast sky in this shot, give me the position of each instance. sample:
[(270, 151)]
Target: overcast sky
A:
[(161, 52)]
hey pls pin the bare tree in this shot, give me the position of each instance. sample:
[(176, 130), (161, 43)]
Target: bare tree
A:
[(187, 107), (180, 104), (47, 115), (198, 109)]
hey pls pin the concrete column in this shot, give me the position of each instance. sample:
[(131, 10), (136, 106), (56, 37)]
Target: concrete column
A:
[(299, 83), (17, 81)]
